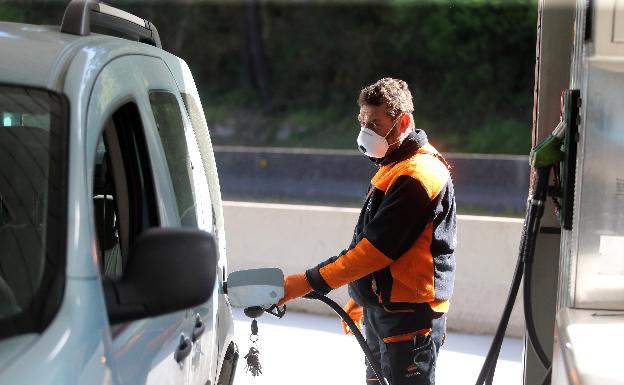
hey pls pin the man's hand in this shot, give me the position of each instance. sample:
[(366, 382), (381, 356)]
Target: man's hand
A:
[(356, 313), (295, 286)]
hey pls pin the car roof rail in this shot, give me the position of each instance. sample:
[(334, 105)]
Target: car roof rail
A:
[(81, 15)]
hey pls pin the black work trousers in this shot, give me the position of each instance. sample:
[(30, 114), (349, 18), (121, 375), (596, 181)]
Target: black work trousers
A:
[(403, 362)]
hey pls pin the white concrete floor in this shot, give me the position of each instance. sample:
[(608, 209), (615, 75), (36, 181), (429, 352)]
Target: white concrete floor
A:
[(311, 349)]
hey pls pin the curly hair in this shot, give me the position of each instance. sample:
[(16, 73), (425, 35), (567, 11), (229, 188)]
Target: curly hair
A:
[(394, 93)]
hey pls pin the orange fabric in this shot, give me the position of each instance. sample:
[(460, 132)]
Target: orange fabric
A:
[(413, 272), (382, 178), (425, 168), (407, 336), (295, 286), (356, 313), (440, 306), (363, 259)]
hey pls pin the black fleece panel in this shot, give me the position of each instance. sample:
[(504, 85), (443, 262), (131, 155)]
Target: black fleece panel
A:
[(444, 242), (401, 219)]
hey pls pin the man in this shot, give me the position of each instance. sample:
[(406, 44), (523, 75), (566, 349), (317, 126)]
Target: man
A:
[(400, 265)]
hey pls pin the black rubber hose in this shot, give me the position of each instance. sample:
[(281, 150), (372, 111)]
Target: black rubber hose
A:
[(539, 199), (489, 366), (356, 332), (530, 321), (492, 355), (546, 380), (489, 380), (530, 230)]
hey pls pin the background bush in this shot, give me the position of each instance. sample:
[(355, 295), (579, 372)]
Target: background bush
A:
[(288, 73)]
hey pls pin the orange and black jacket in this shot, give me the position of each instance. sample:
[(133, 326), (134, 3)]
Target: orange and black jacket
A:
[(402, 254)]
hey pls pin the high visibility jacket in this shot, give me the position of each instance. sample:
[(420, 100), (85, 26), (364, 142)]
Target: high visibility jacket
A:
[(401, 257)]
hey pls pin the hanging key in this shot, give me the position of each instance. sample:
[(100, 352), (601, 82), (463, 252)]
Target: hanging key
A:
[(253, 356)]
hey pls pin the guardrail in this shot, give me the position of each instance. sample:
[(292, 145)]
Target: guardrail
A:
[(296, 237), (490, 183)]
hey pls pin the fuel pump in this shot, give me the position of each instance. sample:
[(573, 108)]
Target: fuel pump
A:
[(555, 155)]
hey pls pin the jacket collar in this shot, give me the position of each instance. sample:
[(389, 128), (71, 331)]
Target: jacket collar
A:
[(415, 140)]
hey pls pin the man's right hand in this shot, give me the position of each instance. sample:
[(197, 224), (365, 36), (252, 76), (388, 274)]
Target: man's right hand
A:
[(356, 313), (295, 286)]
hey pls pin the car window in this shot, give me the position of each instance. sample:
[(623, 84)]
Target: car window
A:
[(170, 126), (200, 131), (33, 127), (123, 193)]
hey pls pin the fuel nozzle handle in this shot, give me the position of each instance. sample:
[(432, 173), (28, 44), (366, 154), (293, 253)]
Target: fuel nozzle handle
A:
[(257, 311), (536, 211)]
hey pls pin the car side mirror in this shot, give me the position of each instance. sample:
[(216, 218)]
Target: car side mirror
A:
[(255, 287), (167, 269)]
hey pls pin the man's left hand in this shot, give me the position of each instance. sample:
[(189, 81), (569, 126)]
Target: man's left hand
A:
[(356, 313), (295, 286)]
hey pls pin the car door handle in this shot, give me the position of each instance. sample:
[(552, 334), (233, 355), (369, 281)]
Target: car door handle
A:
[(199, 328), (184, 349)]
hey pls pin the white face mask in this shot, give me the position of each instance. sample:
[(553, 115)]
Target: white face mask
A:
[(374, 145)]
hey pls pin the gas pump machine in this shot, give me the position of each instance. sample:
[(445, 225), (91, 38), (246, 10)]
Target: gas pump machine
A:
[(580, 248)]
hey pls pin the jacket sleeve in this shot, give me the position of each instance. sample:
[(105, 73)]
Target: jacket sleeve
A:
[(403, 215)]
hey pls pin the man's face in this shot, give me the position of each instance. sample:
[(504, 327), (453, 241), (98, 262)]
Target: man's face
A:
[(376, 118)]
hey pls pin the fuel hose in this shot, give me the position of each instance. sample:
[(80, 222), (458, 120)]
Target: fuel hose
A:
[(530, 230), (356, 332)]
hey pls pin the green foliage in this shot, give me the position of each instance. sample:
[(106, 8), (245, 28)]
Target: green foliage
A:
[(32, 11), (469, 64), (9, 13), (470, 67), (507, 137)]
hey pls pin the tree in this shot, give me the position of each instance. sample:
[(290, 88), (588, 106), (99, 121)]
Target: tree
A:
[(254, 48)]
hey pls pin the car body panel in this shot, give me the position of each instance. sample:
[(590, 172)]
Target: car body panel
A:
[(73, 349), (32, 66), (12, 348), (98, 74)]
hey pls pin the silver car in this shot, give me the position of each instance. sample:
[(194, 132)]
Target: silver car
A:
[(112, 244)]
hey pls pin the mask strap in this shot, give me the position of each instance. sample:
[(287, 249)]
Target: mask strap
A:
[(392, 128), (393, 143), (401, 137)]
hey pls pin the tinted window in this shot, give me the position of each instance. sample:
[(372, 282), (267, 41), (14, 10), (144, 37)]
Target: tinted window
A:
[(170, 125), (123, 201), (200, 131), (32, 207)]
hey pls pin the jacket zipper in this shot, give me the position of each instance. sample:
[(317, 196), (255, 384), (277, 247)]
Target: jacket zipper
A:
[(375, 288)]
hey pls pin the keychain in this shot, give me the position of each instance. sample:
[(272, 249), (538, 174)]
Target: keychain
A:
[(253, 356), (253, 359)]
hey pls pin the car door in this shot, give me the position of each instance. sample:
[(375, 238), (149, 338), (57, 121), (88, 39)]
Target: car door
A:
[(130, 158), (195, 209), (215, 314)]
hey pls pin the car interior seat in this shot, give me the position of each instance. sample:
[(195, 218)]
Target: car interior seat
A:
[(106, 218)]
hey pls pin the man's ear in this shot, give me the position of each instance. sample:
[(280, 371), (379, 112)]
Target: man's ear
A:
[(404, 123)]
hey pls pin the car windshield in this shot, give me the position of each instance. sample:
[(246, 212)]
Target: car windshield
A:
[(32, 190)]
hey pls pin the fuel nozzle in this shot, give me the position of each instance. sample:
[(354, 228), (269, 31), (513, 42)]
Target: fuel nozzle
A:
[(257, 311), (548, 151)]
